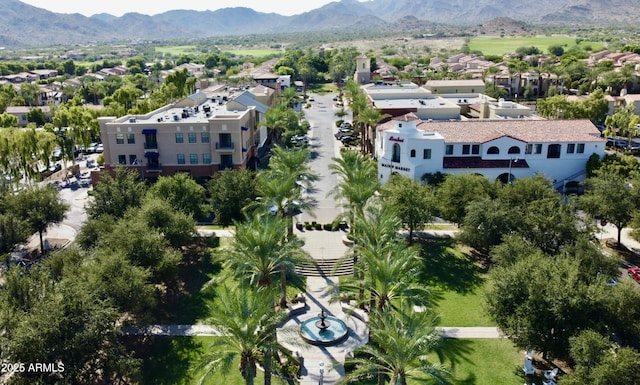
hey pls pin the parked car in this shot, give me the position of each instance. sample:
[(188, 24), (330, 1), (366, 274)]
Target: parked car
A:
[(634, 272), (345, 129), (346, 125), (339, 135), (299, 140), (348, 139)]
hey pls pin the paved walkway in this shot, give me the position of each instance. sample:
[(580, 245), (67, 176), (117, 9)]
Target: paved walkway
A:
[(210, 331)]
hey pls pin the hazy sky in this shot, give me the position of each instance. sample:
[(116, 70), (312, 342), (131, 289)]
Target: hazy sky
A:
[(153, 7)]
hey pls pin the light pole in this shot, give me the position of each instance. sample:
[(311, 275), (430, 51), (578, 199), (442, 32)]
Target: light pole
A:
[(321, 364), (511, 160)]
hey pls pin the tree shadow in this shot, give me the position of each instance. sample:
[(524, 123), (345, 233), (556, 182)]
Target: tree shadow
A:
[(186, 302), (448, 268), (452, 352), (167, 360)]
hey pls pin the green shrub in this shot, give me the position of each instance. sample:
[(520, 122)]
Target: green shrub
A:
[(308, 226), (318, 226)]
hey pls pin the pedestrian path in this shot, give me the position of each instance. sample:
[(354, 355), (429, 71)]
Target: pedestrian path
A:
[(210, 331)]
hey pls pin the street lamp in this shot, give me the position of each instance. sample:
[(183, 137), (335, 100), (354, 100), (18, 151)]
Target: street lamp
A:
[(511, 160), (321, 364)]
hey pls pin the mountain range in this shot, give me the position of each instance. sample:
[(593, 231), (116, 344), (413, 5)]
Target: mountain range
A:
[(22, 25)]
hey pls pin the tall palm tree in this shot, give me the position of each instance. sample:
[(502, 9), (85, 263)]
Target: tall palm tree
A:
[(244, 317), (398, 349), (369, 118), (260, 253), (387, 269), (282, 184), (357, 180)]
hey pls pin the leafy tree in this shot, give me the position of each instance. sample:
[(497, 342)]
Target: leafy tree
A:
[(542, 307), (398, 348), (609, 197), (556, 50), (114, 195), (40, 207), (35, 115), (8, 120), (177, 226), (413, 202), (600, 362), (183, 193), (457, 191), (230, 191)]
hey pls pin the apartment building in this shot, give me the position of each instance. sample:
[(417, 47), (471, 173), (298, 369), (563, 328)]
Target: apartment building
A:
[(200, 135)]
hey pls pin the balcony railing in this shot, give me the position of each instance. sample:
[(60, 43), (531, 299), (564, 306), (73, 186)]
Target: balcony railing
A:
[(225, 146), (154, 167)]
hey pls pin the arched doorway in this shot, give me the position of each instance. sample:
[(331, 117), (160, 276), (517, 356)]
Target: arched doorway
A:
[(506, 178)]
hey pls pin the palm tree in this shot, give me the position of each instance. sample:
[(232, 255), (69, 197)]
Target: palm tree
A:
[(283, 184), (398, 349), (245, 318), (370, 117), (357, 180), (388, 269), (260, 253)]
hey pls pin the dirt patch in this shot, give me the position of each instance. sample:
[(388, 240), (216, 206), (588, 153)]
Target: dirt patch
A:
[(629, 256)]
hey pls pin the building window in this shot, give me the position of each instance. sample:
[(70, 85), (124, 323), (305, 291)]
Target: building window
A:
[(553, 151), (131, 139), (514, 150), (448, 150), (122, 159), (206, 158), (412, 153), (426, 153), (533, 148), (192, 137), (181, 159), (395, 157), (571, 148), (580, 148), (133, 159), (193, 158), (475, 149), (537, 148), (465, 149), (493, 150), (204, 137), (119, 138), (179, 137)]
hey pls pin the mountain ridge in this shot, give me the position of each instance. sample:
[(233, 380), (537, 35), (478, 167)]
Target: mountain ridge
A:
[(25, 25)]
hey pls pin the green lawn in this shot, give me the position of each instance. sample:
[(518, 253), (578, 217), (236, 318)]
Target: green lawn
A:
[(484, 361), (253, 52), (462, 309), (177, 50), (174, 361), (502, 45)]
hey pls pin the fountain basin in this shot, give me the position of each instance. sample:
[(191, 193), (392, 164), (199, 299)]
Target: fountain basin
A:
[(335, 333)]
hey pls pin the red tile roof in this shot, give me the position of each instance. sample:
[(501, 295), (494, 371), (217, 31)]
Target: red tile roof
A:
[(528, 131)]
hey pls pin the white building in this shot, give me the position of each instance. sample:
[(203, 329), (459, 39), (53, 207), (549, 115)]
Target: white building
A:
[(556, 149)]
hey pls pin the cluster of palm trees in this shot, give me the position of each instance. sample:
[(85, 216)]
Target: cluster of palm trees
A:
[(261, 262), (385, 283), (365, 117)]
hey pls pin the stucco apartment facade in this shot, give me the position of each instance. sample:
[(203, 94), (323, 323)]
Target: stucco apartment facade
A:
[(200, 135), (504, 149)]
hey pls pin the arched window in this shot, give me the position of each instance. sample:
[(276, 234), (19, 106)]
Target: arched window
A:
[(413, 153), (395, 157), (514, 150), (493, 150)]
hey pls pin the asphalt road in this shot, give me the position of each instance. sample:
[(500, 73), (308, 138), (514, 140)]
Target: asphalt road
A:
[(323, 146)]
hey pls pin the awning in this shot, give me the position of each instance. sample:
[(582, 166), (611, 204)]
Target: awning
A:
[(148, 131), (151, 155)]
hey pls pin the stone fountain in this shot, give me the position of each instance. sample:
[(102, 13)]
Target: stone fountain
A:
[(323, 330)]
